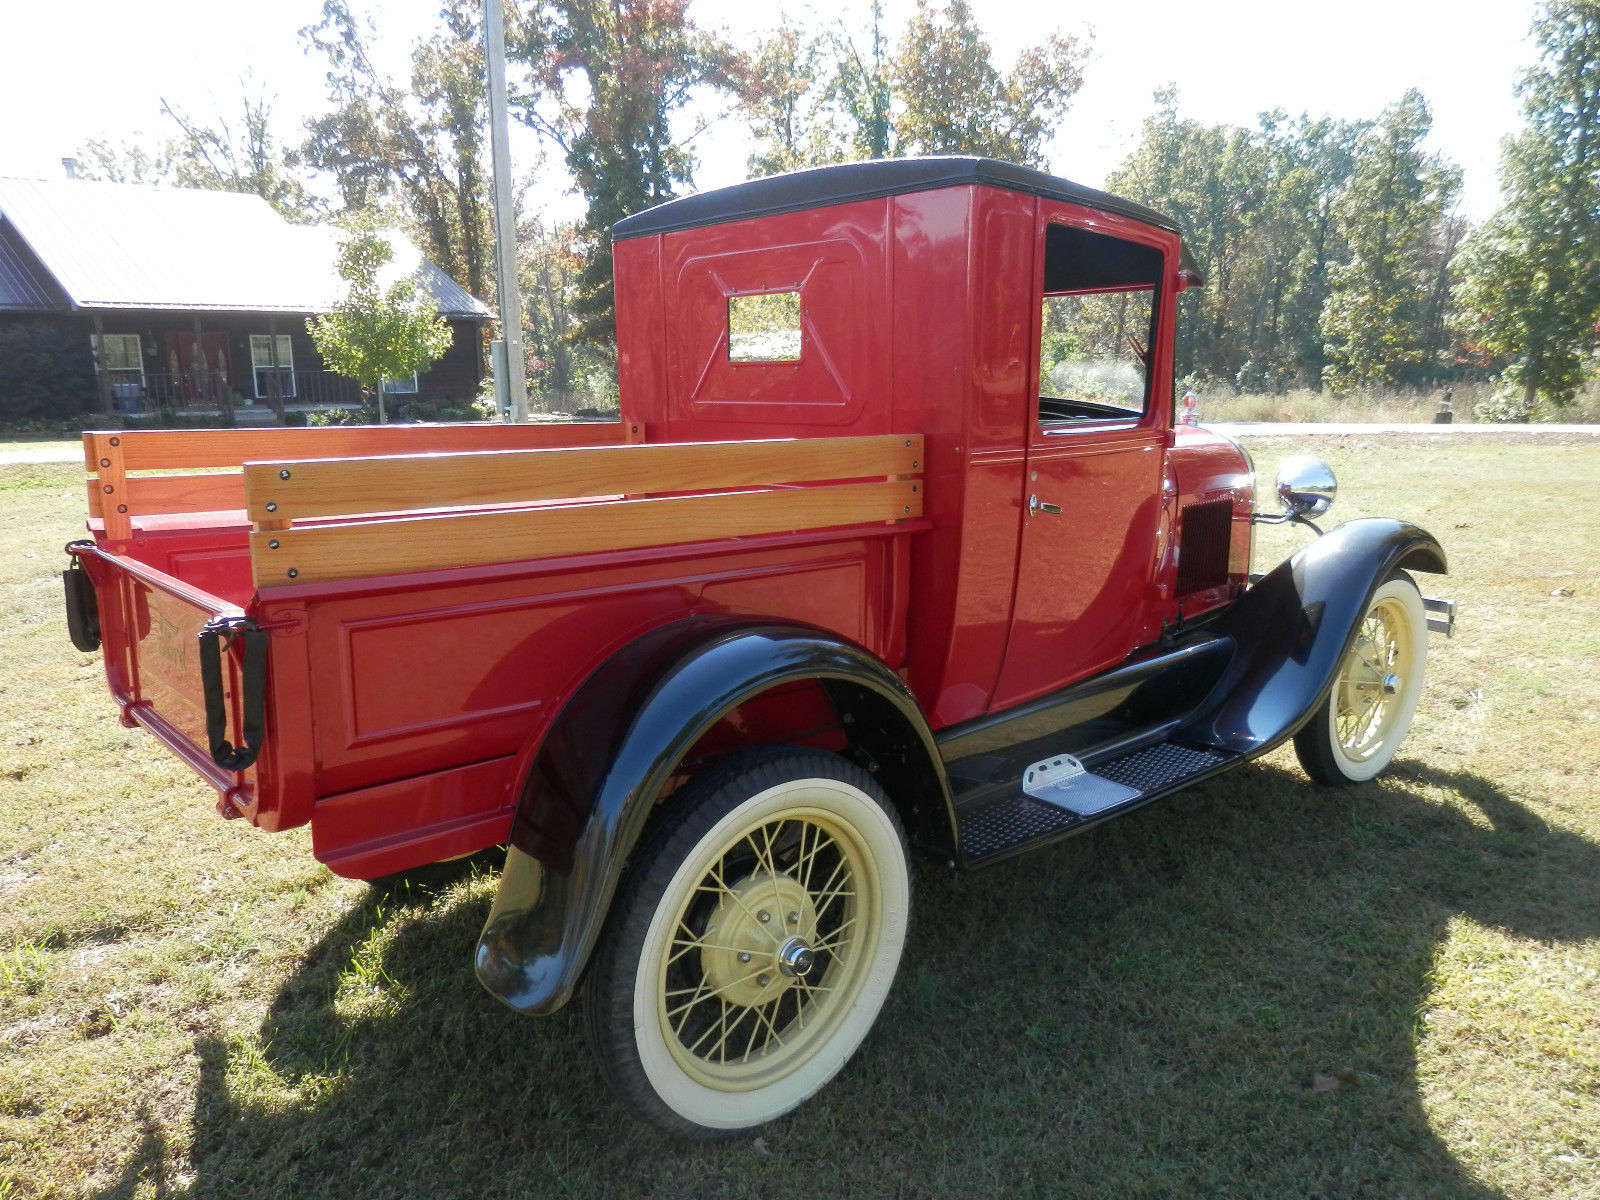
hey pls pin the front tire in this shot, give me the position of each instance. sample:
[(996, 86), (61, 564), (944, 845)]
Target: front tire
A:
[(752, 944), (1356, 730)]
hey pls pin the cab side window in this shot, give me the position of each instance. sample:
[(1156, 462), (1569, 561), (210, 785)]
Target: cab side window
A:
[(1097, 327)]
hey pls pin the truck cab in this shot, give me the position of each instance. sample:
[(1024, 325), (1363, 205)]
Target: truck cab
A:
[(1023, 325)]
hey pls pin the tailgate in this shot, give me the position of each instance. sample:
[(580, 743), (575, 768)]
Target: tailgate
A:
[(184, 664)]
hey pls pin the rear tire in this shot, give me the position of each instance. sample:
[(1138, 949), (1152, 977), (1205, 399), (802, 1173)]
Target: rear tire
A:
[(1356, 730), (705, 1017)]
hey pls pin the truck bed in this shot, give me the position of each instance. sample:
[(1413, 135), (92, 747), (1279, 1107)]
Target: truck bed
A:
[(426, 613)]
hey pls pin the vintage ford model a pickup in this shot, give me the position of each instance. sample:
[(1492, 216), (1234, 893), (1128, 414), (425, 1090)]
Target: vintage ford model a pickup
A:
[(895, 544)]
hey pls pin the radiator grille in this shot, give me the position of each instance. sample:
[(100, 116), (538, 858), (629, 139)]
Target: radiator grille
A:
[(1206, 531)]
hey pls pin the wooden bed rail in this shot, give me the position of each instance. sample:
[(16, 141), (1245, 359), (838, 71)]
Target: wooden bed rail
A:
[(631, 496), (118, 493)]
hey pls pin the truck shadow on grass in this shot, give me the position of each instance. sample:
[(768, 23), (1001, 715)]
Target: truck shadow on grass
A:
[(1224, 993)]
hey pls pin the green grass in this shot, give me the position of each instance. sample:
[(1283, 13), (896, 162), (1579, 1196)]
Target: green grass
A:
[(1257, 988)]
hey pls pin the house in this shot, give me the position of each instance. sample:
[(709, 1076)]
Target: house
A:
[(196, 301)]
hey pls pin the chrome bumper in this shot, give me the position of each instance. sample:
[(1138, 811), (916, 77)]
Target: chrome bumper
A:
[(1441, 616)]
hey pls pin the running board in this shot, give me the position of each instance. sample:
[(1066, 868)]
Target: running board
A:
[(1055, 800)]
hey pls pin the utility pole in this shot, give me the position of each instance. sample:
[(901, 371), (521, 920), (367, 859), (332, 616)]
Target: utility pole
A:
[(510, 382)]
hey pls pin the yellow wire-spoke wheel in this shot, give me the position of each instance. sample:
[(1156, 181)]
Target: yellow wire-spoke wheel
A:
[(766, 958), (754, 943), (1357, 730), (1370, 679)]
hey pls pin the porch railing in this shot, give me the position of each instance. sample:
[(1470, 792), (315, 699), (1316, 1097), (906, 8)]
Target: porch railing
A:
[(203, 392)]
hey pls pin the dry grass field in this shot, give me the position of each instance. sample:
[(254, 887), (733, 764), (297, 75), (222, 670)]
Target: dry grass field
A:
[(1258, 988), (1220, 404)]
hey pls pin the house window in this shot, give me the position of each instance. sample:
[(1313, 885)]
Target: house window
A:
[(764, 328), (122, 352), (1097, 327), (263, 366), (401, 387), (122, 359)]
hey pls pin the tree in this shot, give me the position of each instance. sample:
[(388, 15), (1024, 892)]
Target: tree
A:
[(862, 91), (606, 78), (1207, 178), (549, 262), (1532, 272), (134, 161), (955, 101), (240, 155), (421, 146), (778, 95), (377, 331), (815, 98), (1376, 314)]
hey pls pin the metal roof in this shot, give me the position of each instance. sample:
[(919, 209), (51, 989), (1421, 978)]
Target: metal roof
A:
[(23, 286), (126, 246)]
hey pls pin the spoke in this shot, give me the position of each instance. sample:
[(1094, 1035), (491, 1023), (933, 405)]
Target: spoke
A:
[(842, 865), (750, 1042), (714, 992), (720, 1023), (828, 897), (688, 946), (772, 871), (819, 839), (832, 942), (721, 1048), (772, 1026), (677, 1029)]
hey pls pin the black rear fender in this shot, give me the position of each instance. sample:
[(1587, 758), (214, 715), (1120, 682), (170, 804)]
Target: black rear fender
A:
[(615, 749)]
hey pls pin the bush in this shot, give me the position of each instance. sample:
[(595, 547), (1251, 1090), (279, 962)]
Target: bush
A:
[(1507, 403), (46, 372), (345, 416)]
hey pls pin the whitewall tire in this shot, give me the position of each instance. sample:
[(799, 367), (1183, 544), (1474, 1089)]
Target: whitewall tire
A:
[(753, 942), (1356, 730)]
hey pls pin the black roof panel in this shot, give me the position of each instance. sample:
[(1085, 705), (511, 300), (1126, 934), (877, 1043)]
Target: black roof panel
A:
[(25, 286), (843, 183)]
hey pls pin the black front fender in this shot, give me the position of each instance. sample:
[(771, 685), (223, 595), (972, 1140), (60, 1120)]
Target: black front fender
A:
[(1295, 625), (608, 757)]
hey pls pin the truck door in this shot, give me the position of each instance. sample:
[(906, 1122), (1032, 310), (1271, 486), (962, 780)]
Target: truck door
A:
[(1092, 488)]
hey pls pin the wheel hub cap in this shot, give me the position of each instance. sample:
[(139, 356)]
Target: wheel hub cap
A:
[(757, 939), (795, 959)]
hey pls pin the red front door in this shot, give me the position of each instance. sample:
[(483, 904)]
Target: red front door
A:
[(1092, 490), (181, 356)]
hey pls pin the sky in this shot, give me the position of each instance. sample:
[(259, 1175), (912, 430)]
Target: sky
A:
[(106, 73)]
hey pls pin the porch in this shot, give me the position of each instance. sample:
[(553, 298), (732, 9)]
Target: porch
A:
[(246, 368), (212, 392)]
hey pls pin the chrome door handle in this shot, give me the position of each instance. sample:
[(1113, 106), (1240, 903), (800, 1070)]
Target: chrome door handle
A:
[(1036, 506)]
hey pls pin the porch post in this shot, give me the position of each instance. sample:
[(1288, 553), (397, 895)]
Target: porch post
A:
[(274, 380), (103, 376)]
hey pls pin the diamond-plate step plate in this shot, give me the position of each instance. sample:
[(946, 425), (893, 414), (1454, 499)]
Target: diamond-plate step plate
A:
[(994, 827), (1158, 766), (1011, 823)]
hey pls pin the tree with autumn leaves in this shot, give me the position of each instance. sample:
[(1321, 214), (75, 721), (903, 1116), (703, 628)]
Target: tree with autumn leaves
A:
[(604, 79), (840, 94)]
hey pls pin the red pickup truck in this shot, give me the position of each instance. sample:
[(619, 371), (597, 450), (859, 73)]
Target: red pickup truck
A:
[(896, 545)]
